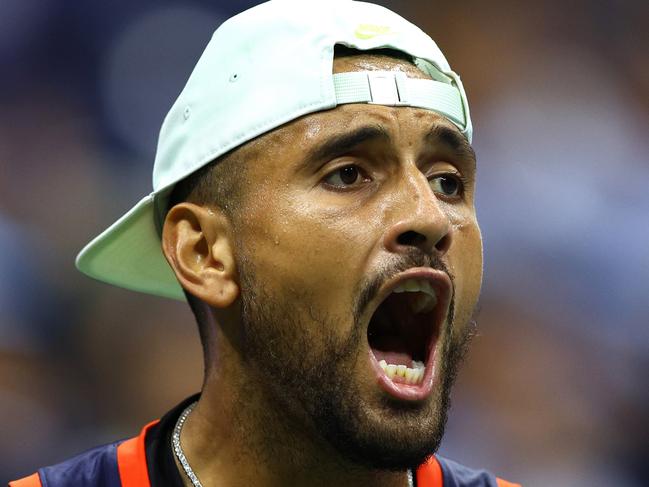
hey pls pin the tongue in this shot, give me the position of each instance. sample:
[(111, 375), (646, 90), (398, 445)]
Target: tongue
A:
[(392, 350), (393, 357)]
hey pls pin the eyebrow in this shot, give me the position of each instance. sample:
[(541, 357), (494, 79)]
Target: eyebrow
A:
[(344, 143), (441, 134)]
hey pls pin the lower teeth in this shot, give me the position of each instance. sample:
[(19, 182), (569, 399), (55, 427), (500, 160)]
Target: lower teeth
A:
[(402, 373)]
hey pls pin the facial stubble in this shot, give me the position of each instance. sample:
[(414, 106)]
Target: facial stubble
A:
[(305, 369)]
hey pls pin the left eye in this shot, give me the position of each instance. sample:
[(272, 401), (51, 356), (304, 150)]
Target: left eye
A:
[(344, 176), (446, 184)]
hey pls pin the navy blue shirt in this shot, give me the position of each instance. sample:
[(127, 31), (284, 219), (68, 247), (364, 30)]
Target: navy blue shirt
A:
[(100, 466)]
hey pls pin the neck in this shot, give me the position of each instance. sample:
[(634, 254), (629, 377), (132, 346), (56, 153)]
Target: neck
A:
[(236, 436)]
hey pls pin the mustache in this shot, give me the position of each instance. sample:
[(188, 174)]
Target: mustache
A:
[(414, 257)]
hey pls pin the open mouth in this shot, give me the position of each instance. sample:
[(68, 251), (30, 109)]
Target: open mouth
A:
[(404, 330)]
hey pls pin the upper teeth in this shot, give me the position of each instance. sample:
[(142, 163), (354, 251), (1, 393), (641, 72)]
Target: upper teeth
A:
[(425, 303), (415, 285)]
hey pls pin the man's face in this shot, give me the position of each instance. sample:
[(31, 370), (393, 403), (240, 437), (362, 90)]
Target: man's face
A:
[(343, 208)]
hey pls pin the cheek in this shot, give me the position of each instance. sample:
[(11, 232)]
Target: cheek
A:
[(299, 252), (465, 259)]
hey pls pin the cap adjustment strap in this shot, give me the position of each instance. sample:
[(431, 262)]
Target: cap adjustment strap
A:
[(396, 89)]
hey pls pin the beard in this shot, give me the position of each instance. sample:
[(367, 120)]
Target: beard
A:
[(306, 368)]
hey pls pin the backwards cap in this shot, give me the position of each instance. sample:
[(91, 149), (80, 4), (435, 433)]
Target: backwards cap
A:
[(261, 69)]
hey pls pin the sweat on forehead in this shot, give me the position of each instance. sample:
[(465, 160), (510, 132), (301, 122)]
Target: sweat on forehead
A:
[(376, 60)]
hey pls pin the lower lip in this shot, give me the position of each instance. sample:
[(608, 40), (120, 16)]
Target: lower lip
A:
[(407, 392)]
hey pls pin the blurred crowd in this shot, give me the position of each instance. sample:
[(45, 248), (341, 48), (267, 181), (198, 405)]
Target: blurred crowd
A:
[(554, 392)]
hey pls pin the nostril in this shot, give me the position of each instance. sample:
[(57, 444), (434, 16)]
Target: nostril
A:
[(443, 243), (411, 238)]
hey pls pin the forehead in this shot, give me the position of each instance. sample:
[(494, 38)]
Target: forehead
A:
[(376, 62)]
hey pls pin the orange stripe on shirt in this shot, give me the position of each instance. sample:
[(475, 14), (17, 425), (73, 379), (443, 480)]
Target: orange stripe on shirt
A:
[(32, 481), (429, 473), (131, 460), (504, 483)]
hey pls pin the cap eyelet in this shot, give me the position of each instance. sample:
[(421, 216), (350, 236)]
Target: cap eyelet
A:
[(234, 77), (186, 113)]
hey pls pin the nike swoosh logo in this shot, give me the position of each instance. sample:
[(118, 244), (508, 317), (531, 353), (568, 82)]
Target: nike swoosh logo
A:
[(368, 31)]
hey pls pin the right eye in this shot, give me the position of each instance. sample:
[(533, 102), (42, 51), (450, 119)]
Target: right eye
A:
[(345, 176)]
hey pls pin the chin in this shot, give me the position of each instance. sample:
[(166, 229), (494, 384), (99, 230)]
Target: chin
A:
[(397, 443)]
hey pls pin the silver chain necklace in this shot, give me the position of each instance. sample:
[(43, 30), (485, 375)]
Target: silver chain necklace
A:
[(180, 455), (178, 450)]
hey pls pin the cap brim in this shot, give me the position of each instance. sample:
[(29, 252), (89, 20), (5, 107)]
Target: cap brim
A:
[(129, 254)]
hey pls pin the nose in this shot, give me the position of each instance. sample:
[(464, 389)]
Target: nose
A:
[(420, 221)]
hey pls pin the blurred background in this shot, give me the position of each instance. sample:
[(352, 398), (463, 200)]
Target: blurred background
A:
[(555, 390)]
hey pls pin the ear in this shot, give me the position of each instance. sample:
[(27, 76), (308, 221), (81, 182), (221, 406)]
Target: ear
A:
[(197, 244)]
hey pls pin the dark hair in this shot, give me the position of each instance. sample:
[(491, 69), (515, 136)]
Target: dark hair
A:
[(341, 50)]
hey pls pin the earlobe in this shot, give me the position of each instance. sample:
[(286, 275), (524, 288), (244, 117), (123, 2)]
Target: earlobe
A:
[(197, 244)]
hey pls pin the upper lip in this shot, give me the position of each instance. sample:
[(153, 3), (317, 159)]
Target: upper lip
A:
[(439, 281)]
